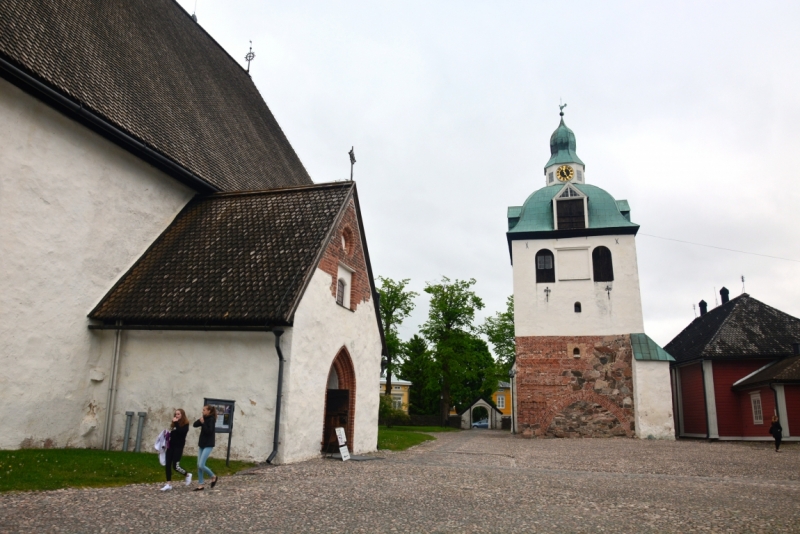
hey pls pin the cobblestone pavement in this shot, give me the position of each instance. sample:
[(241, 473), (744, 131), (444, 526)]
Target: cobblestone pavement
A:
[(472, 481)]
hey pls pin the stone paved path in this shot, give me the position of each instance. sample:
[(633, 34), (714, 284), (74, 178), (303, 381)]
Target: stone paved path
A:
[(473, 481)]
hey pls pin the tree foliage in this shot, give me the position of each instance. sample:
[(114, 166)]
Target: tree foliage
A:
[(499, 330), (396, 303), (419, 368), (449, 328)]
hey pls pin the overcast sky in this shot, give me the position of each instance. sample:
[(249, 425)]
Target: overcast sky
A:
[(690, 111)]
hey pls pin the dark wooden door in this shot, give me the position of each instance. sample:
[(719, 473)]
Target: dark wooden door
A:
[(337, 413)]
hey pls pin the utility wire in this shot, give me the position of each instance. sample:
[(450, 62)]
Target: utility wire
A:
[(720, 248)]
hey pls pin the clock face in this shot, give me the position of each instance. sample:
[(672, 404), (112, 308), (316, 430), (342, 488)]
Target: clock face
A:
[(565, 173)]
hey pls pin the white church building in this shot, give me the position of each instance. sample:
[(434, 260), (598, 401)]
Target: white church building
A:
[(162, 244), (584, 367)]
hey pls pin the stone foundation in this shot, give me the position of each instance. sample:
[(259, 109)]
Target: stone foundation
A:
[(563, 394)]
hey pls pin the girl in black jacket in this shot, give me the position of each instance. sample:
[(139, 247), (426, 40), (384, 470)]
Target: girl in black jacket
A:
[(175, 444), (206, 423)]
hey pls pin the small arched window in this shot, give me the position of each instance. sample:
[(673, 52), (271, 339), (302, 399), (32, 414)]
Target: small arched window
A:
[(545, 267), (576, 352), (577, 307), (340, 288), (601, 263)]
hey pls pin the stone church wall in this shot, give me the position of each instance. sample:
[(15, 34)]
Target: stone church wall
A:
[(561, 395)]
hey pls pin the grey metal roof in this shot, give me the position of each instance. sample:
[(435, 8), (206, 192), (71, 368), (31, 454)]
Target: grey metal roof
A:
[(147, 68), (744, 327), (786, 370)]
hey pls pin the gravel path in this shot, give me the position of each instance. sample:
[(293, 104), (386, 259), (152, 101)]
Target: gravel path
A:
[(472, 481)]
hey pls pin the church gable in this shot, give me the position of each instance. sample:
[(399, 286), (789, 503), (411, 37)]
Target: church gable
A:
[(230, 259), (345, 261)]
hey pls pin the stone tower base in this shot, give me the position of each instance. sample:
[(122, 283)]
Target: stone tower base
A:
[(564, 392)]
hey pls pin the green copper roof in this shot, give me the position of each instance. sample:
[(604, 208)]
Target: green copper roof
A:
[(536, 215), (645, 349), (562, 146)]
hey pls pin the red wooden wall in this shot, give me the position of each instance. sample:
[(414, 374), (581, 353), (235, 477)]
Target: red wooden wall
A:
[(730, 414), (767, 408), (693, 399)]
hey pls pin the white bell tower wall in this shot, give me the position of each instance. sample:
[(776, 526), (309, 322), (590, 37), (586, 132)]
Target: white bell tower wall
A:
[(602, 311)]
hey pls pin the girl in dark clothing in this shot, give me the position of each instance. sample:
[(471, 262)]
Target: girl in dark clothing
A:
[(206, 423), (175, 444), (777, 432)]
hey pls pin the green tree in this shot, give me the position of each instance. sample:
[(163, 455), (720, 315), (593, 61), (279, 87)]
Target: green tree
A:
[(477, 372), (395, 306), (499, 330), (452, 312), (419, 368)]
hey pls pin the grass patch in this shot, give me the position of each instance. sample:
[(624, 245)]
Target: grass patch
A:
[(425, 428), (49, 469), (399, 440)]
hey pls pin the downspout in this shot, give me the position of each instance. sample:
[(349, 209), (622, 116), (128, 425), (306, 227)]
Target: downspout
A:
[(112, 390), (277, 431)]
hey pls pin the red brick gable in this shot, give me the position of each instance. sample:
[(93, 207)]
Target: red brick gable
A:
[(351, 255)]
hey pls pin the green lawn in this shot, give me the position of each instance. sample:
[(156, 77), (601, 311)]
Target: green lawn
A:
[(400, 438), (48, 469)]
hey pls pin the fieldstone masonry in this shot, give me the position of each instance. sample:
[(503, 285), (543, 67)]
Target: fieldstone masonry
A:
[(562, 392)]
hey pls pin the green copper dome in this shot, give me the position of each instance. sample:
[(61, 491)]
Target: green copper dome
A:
[(562, 146), (536, 215)]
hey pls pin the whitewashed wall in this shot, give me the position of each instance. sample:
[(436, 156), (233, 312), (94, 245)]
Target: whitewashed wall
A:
[(75, 212), (536, 315), (321, 329), (652, 402), (160, 371)]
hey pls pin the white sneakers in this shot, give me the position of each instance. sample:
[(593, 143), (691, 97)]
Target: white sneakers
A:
[(167, 487), (189, 479)]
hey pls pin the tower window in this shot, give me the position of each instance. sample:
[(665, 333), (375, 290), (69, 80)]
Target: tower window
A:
[(545, 269), (550, 178), (580, 176), (576, 352), (340, 289), (602, 265), (570, 214), (577, 307)]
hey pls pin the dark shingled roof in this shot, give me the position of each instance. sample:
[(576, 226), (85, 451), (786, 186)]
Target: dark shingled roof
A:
[(146, 67), (786, 370), (230, 259), (741, 328)]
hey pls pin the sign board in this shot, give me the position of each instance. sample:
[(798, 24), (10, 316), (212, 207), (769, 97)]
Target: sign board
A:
[(342, 437), (225, 412)]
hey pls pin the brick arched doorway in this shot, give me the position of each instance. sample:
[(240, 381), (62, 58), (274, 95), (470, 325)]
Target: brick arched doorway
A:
[(340, 402)]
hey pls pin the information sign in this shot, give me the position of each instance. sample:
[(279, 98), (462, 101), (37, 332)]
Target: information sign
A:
[(224, 425)]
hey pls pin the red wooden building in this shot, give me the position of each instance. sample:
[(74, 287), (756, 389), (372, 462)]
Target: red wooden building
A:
[(735, 367)]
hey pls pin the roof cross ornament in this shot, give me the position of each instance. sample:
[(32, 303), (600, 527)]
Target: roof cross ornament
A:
[(249, 57)]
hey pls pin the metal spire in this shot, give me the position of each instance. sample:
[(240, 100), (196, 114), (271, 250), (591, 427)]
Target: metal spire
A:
[(249, 57)]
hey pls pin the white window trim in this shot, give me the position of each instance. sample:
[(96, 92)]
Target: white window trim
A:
[(501, 402), (756, 396)]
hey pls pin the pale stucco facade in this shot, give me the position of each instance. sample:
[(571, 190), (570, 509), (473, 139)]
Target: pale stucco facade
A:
[(76, 211)]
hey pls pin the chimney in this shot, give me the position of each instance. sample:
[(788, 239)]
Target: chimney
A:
[(724, 294), (703, 308)]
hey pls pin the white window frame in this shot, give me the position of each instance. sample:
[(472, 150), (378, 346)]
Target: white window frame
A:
[(501, 402), (397, 402), (345, 275), (578, 195), (757, 408)]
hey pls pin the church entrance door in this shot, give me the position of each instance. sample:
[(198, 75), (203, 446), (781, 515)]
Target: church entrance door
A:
[(340, 400)]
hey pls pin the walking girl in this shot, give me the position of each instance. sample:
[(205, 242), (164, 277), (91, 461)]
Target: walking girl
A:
[(777, 432), (175, 444), (206, 423)]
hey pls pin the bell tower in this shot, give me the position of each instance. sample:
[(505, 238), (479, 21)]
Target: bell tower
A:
[(578, 312)]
